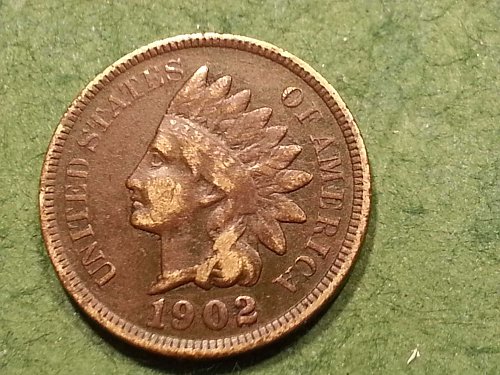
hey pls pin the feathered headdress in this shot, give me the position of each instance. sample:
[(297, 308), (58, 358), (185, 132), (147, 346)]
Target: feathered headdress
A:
[(250, 148)]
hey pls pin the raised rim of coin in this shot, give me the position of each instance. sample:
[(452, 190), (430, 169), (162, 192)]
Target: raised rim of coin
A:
[(294, 316)]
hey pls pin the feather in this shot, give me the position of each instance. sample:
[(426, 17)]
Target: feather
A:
[(270, 233), (258, 118), (193, 88), (290, 180), (282, 156), (235, 104), (246, 129), (240, 137), (220, 88), (263, 170), (270, 137), (286, 210)]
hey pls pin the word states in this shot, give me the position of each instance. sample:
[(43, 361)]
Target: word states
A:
[(215, 314), (122, 96)]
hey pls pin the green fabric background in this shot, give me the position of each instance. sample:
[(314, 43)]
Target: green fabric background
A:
[(421, 78)]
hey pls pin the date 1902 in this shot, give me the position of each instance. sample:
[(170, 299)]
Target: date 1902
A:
[(214, 314)]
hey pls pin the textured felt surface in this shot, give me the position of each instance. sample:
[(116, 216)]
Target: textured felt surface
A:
[(421, 78)]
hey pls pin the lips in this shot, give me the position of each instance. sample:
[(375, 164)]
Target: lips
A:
[(136, 205), (136, 201)]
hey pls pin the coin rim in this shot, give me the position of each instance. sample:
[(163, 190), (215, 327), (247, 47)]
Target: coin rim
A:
[(295, 315)]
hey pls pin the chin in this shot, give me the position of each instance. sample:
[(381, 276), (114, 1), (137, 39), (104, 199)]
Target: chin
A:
[(141, 219)]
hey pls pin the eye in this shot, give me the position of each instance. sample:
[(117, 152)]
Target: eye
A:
[(156, 160)]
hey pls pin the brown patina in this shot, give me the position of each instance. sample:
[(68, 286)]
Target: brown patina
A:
[(205, 195)]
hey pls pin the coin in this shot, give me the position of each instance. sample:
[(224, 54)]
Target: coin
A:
[(205, 195)]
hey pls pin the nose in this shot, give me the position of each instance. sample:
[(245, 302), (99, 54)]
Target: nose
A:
[(132, 182)]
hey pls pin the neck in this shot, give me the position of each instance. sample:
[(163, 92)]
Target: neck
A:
[(180, 246)]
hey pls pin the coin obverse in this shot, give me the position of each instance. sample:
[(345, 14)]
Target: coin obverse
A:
[(205, 195)]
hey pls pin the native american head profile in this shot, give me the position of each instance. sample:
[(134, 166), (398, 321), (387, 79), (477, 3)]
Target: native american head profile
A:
[(218, 168)]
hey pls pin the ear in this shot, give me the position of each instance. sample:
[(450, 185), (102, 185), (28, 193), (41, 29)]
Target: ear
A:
[(209, 194)]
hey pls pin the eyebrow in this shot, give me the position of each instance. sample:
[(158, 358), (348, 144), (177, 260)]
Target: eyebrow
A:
[(162, 145), (154, 148)]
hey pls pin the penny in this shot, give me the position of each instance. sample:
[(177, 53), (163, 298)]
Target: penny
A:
[(205, 195)]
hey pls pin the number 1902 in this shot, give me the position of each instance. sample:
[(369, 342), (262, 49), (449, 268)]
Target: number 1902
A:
[(214, 314)]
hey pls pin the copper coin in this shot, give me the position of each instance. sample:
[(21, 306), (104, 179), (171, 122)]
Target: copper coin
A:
[(205, 195)]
